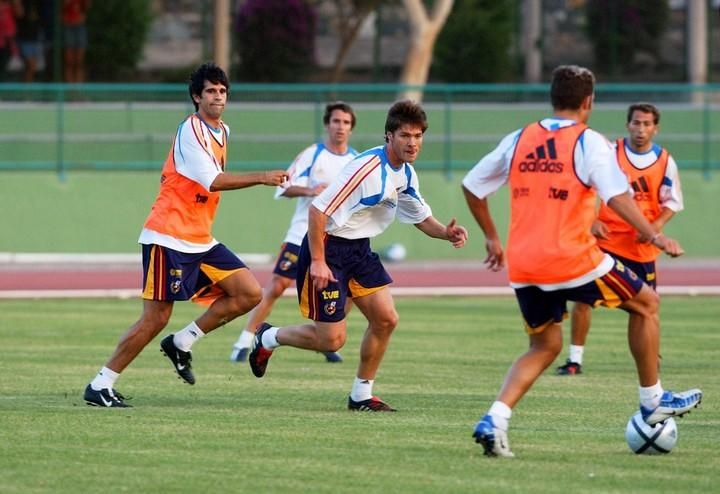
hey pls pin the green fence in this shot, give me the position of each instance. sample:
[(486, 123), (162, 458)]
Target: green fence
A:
[(130, 126)]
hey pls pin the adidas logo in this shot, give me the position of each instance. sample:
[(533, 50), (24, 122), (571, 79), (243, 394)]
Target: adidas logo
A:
[(542, 160), (640, 185), (641, 189)]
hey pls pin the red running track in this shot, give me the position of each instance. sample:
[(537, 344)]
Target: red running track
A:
[(411, 274)]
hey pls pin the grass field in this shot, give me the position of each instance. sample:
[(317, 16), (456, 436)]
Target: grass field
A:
[(289, 432), (104, 211)]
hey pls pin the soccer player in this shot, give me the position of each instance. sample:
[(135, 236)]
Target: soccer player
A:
[(653, 176), (554, 168), (335, 260), (181, 259), (313, 169)]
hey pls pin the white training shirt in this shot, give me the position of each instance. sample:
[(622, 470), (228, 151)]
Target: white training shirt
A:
[(193, 161), (595, 165), (670, 191), (314, 166), (368, 194)]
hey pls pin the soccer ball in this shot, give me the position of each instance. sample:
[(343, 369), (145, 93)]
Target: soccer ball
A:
[(395, 252), (651, 439)]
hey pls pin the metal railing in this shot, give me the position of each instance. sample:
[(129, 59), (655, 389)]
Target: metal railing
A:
[(63, 127)]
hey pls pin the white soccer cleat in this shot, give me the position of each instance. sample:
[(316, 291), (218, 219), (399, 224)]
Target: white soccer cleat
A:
[(494, 441), (672, 405)]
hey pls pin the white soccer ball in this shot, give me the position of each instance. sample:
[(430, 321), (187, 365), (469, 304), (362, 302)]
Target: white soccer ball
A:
[(651, 439), (395, 252)]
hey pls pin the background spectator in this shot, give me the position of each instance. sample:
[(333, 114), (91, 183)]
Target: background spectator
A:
[(8, 30), (74, 14), (28, 36)]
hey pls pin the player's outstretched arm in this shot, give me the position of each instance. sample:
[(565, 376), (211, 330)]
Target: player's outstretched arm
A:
[(627, 208), (234, 181), (299, 191), (452, 232)]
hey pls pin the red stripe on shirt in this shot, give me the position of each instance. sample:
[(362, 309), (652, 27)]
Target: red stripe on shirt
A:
[(352, 184)]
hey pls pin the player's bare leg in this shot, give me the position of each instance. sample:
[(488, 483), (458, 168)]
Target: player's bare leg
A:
[(544, 348), (154, 318), (242, 293), (580, 319), (379, 309), (644, 333)]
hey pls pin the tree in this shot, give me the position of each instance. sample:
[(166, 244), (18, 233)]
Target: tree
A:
[(116, 36), (619, 29), (276, 40), (424, 30), (473, 46), (351, 15)]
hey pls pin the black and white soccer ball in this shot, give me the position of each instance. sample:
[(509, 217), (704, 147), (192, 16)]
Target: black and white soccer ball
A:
[(646, 439)]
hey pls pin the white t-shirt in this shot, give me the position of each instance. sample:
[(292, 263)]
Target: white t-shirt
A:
[(314, 166), (368, 194), (193, 161)]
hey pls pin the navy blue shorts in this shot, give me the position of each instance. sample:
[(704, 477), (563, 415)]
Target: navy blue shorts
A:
[(358, 271), (169, 275), (644, 270), (541, 308), (286, 263)]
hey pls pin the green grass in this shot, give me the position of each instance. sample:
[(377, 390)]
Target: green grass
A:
[(104, 212), (289, 432)]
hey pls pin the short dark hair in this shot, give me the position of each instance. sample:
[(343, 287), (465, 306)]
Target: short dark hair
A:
[(206, 72), (338, 105), (645, 108), (571, 84), (405, 112)]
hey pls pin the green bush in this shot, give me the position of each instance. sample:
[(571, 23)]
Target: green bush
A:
[(474, 44), (116, 35), (275, 40), (618, 29)]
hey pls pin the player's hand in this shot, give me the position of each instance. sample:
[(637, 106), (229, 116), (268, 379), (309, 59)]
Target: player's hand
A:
[(274, 177), (495, 259), (456, 234), (599, 229), (321, 275), (668, 245)]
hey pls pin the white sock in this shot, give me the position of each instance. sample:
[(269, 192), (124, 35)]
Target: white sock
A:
[(650, 396), (105, 379), (186, 337), (269, 338), (500, 414), (361, 389), (576, 353), (245, 340)]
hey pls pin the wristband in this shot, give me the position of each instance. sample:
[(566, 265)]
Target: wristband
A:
[(654, 238)]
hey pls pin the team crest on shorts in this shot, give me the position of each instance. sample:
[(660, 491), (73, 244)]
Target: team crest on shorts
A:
[(285, 265), (330, 308), (175, 286)]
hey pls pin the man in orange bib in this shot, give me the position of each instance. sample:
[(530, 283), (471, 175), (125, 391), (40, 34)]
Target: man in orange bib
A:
[(653, 176), (181, 258), (554, 168)]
